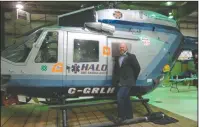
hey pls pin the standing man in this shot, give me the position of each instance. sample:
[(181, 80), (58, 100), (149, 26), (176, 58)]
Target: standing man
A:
[(125, 73)]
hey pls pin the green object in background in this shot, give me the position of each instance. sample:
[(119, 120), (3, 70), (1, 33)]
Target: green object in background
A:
[(44, 68), (191, 65), (177, 69)]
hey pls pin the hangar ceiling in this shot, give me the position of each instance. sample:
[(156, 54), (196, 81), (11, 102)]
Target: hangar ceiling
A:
[(182, 11)]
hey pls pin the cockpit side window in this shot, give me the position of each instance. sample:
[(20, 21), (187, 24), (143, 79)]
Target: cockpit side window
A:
[(20, 51), (48, 52), (86, 51)]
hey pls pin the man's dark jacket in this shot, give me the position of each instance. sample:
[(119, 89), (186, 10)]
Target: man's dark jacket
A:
[(127, 74)]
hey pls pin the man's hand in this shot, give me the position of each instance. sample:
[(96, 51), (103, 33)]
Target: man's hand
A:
[(119, 84)]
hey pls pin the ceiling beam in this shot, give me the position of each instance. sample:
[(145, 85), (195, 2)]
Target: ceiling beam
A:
[(149, 5), (42, 11), (185, 21), (186, 9), (189, 19)]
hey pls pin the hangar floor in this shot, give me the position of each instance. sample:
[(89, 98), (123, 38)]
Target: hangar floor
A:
[(183, 103), (36, 115)]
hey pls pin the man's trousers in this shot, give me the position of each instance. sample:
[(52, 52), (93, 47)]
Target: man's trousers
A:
[(124, 103)]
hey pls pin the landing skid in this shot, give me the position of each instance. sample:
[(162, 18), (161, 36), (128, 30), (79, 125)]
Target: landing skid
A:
[(150, 115), (146, 105)]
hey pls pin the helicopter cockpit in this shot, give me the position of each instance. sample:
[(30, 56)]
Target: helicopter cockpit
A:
[(19, 51)]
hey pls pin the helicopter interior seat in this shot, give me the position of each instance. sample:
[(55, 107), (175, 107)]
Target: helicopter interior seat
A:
[(25, 53), (52, 52), (48, 51)]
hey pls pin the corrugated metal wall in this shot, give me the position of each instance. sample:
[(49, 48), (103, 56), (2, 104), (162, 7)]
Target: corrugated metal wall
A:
[(189, 29)]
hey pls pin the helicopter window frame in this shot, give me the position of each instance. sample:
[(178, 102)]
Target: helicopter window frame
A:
[(46, 42), (80, 58), (26, 43)]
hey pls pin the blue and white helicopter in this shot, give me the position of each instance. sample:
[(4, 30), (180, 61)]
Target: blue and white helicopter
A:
[(72, 62)]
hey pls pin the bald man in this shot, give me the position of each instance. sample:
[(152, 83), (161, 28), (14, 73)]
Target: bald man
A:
[(125, 73)]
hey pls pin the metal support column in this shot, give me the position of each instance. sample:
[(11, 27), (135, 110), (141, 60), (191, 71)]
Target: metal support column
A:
[(64, 115)]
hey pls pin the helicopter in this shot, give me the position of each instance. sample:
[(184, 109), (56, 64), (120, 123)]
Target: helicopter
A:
[(70, 62)]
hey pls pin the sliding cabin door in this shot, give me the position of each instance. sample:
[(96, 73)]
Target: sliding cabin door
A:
[(86, 63)]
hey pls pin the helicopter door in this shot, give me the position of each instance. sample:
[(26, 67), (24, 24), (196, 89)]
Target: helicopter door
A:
[(86, 63), (45, 64)]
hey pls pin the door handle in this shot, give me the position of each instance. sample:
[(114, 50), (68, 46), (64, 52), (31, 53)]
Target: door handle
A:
[(11, 71), (68, 68)]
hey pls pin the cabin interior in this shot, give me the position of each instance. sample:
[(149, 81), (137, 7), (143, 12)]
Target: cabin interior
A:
[(19, 18)]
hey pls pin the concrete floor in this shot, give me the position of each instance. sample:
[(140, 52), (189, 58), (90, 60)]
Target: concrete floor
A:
[(183, 103)]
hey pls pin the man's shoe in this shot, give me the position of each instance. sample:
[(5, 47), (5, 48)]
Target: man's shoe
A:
[(112, 118), (119, 120), (129, 117)]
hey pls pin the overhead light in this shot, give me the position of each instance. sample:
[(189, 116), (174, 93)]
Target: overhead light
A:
[(169, 3), (82, 6), (19, 6), (171, 16)]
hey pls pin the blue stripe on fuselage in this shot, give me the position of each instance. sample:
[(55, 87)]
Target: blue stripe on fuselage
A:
[(75, 81), (142, 26)]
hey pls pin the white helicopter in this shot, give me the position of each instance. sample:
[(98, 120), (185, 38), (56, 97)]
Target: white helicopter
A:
[(77, 61)]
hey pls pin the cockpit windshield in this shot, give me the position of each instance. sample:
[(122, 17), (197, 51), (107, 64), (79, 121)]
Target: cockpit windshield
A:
[(18, 52)]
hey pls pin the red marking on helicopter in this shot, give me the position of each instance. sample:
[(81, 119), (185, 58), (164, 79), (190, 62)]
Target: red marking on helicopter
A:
[(117, 14), (146, 41)]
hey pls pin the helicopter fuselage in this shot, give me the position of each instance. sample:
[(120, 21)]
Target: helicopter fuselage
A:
[(75, 61)]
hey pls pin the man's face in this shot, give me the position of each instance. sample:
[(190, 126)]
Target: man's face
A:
[(123, 48)]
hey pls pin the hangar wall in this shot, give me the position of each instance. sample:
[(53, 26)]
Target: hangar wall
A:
[(189, 29), (16, 27)]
